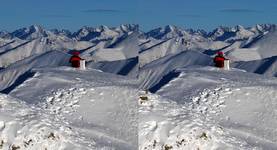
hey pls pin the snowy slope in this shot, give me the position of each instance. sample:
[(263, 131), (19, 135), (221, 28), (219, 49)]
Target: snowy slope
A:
[(71, 109), (161, 70), (19, 71), (25, 127), (37, 46), (6, 44), (266, 46), (267, 66), (208, 108), (122, 67), (250, 43), (172, 40), (123, 48)]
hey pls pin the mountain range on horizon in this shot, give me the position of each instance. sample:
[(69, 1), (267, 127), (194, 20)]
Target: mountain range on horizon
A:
[(239, 44), (133, 27)]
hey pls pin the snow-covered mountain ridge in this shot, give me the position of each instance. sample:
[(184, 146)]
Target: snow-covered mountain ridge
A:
[(252, 49)]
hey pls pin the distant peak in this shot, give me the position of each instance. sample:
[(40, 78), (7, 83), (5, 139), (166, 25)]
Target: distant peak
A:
[(103, 27), (239, 27), (36, 28), (85, 28), (129, 27), (170, 27)]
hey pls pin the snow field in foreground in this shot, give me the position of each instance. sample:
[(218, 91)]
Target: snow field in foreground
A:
[(164, 124), (23, 127), (225, 117), (80, 117)]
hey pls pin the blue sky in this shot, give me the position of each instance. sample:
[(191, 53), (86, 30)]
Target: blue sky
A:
[(196, 14)]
